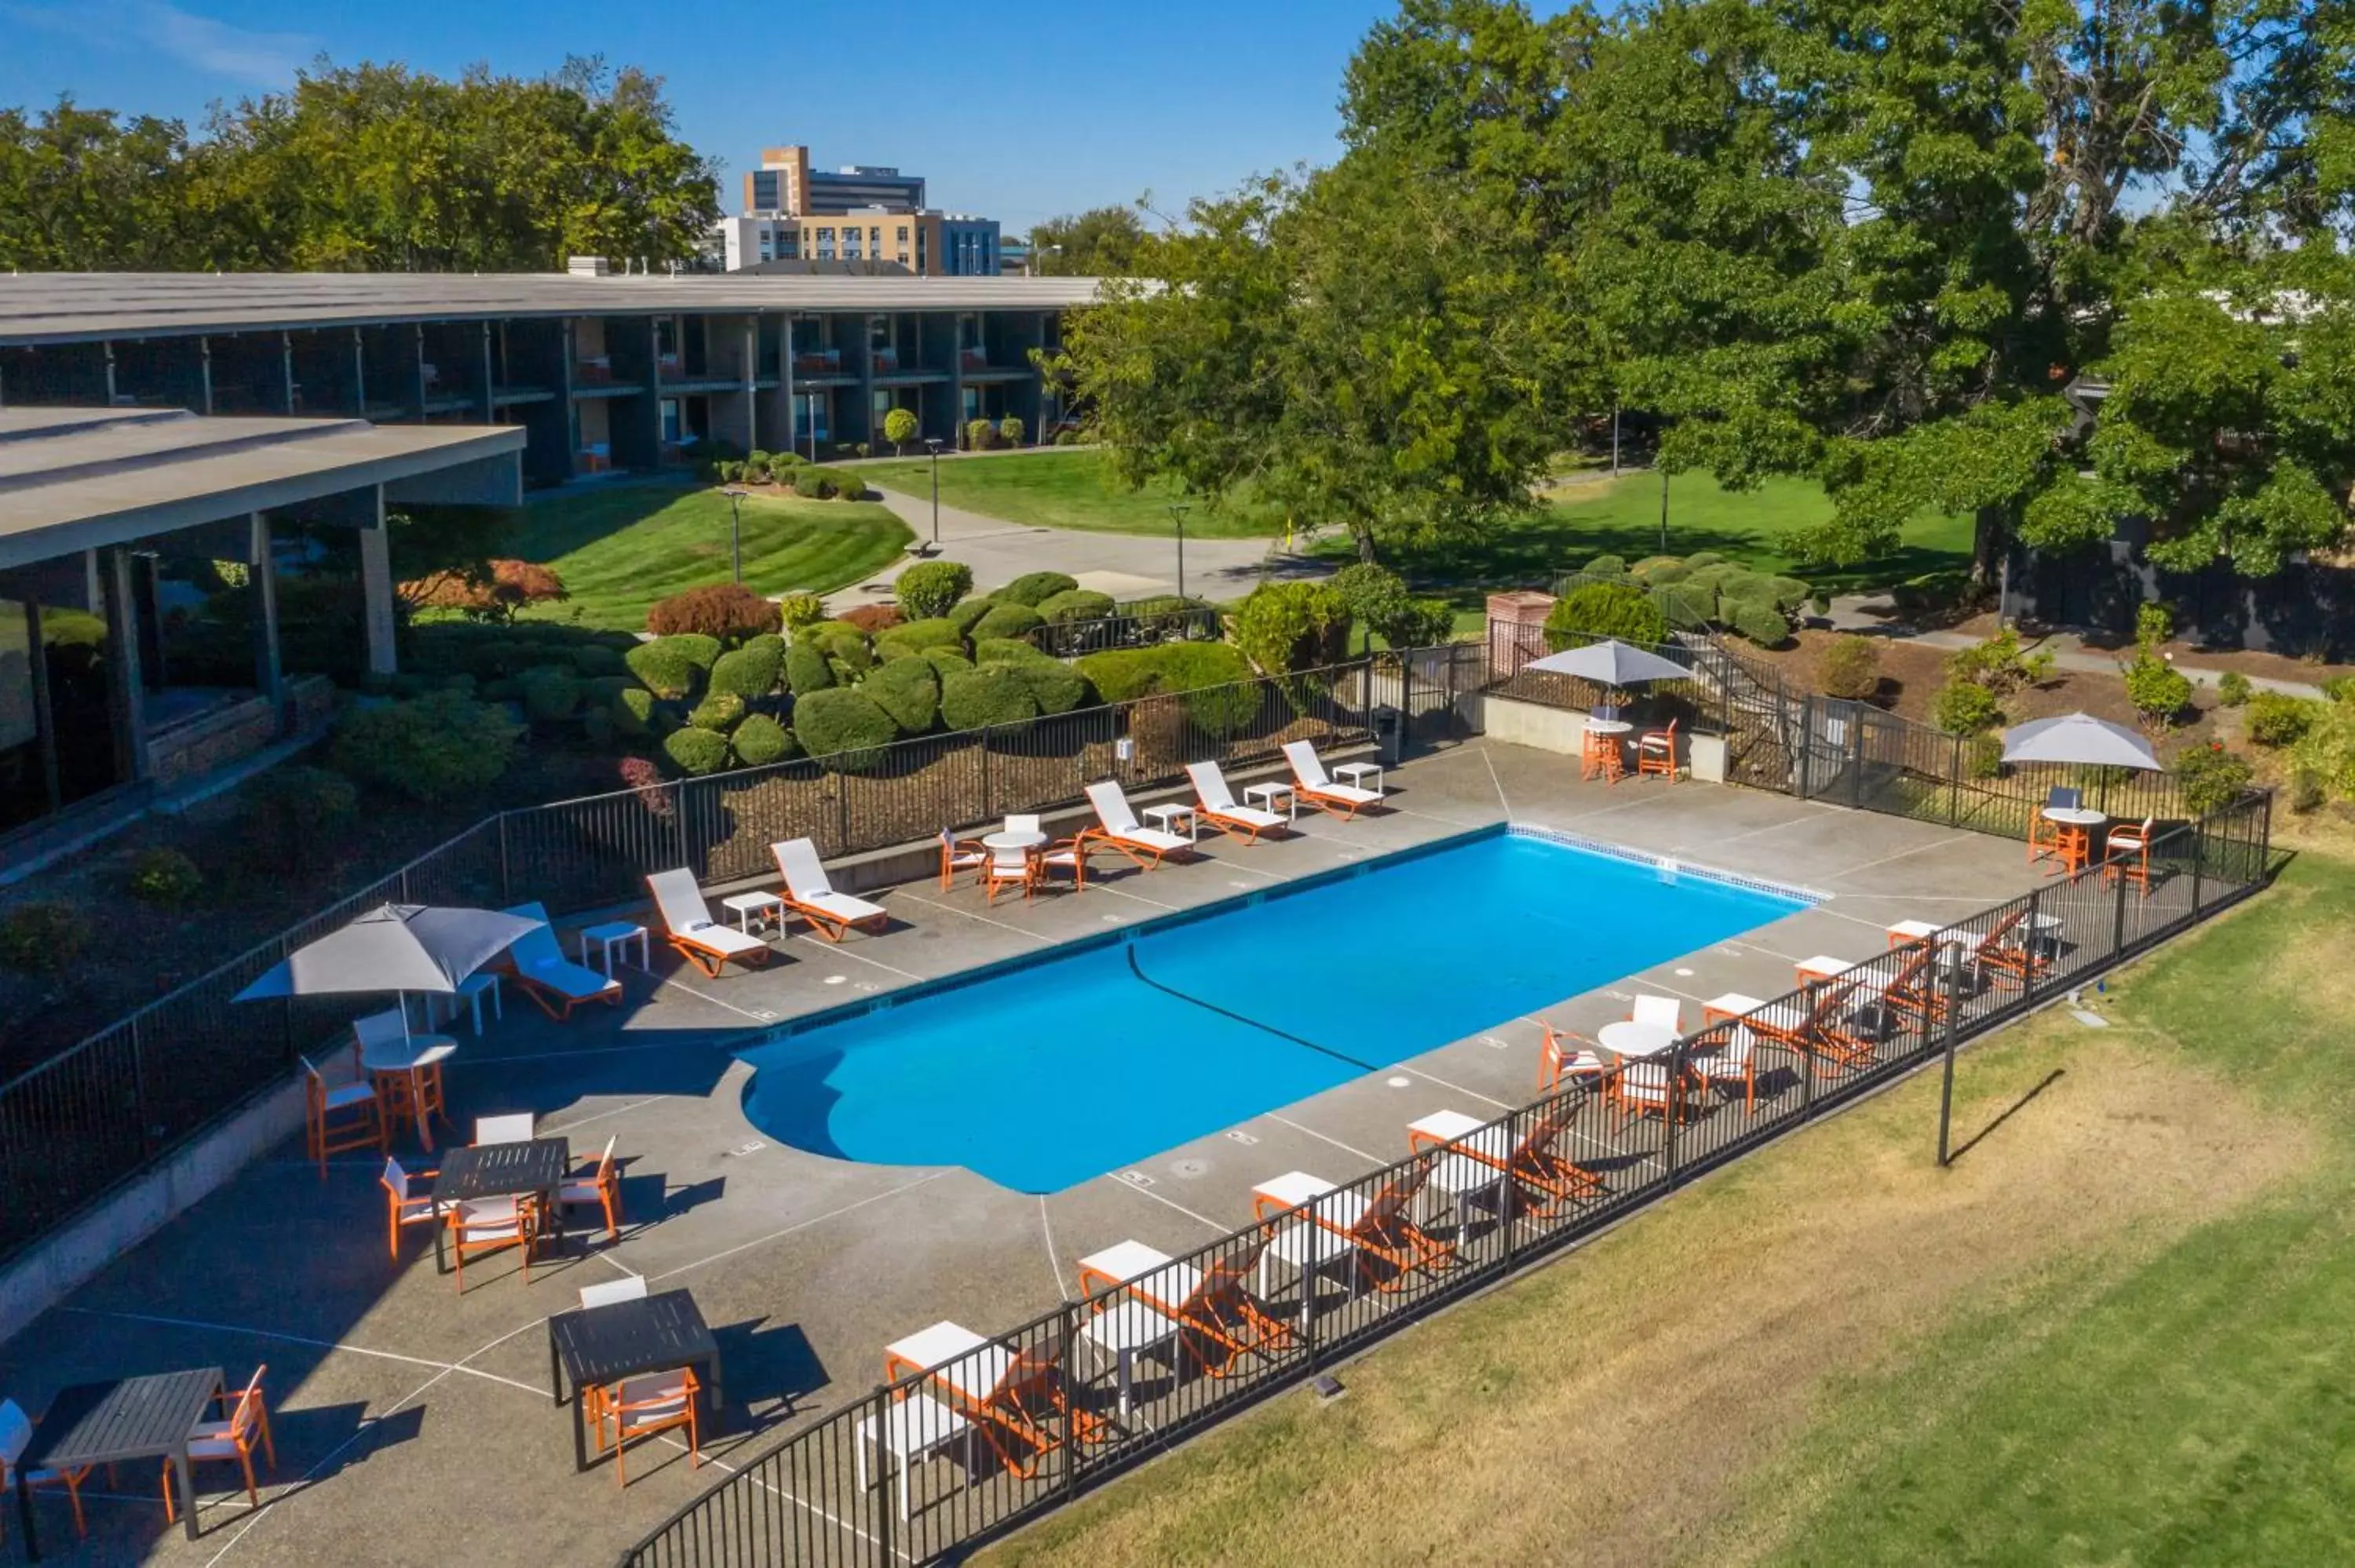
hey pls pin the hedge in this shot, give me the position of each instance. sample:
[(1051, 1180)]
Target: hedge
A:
[(1011, 650), (438, 747), (1121, 674), (760, 740), (994, 695), (634, 712), (920, 636), (1055, 686), (946, 662), (806, 670), (695, 752), (1011, 620), (1032, 588), (549, 694), (718, 713), (749, 671), (669, 666), (968, 613), (1604, 610), (929, 589), (910, 691), (1075, 604), (839, 641), (843, 727)]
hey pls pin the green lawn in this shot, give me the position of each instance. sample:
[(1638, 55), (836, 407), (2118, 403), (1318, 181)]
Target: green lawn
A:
[(2114, 1332), (620, 548), (1067, 489), (1622, 518)]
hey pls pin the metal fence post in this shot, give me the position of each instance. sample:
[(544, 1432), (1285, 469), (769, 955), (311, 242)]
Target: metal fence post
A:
[(989, 794), (2118, 922), (886, 1516), (1676, 1063), (506, 883), (1808, 746), (2030, 936), (139, 1093), (678, 817), (1954, 783), (1954, 1039)]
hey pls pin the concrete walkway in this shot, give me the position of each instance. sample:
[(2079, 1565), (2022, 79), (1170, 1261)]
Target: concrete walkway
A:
[(1125, 566)]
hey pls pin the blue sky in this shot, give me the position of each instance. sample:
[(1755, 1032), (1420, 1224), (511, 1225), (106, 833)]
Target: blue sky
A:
[(1017, 111)]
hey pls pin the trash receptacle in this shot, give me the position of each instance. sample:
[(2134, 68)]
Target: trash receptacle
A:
[(1389, 736)]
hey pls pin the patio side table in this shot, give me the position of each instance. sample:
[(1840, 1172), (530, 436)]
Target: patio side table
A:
[(613, 934), (115, 1423)]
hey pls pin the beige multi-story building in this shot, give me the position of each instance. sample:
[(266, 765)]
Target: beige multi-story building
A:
[(861, 216)]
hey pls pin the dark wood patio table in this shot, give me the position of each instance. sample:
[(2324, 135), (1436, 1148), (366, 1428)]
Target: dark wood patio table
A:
[(599, 1346), (114, 1423), (534, 1169)]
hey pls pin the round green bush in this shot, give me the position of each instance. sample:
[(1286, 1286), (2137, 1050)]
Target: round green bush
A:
[(2233, 689), (993, 694), (1074, 605), (1281, 626), (760, 740), (1604, 610), (1007, 620), (695, 752), (295, 813), (909, 690), (701, 652), (1851, 668), (1757, 619), (806, 670), (1964, 707), (2276, 718), (665, 667), (1009, 650), (968, 613), (438, 747), (718, 713), (1660, 569), (1054, 685), (597, 728), (841, 641), (1699, 558), (595, 659), (44, 939), (844, 729), (918, 636), (550, 694), (812, 485), (945, 661), (929, 589), (633, 712), (1607, 567), (1122, 674), (800, 610), (165, 877), (1224, 712), (749, 672), (1034, 588)]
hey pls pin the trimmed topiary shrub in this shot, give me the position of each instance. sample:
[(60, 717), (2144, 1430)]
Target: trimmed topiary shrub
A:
[(807, 669), (596, 660), (871, 618), (1283, 627), (993, 694), (842, 643), (718, 713), (749, 671), (917, 636), (811, 484), (2211, 778), (295, 814), (945, 661), (2276, 718), (667, 667), (760, 740), (1594, 610), (929, 589), (800, 610), (164, 878), (44, 939), (1122, 674), (1851, 668), (1006, 620), (1034, 588), (1010, 649), (843, 728), (693, 752), (2233, 689), (968, 613), (633, 712), (909, 690), (1755, 619), (726, 612), (438, 747), (1607, 567), (1054, 685), (1964, 707), (1074, 605), (550, 695)]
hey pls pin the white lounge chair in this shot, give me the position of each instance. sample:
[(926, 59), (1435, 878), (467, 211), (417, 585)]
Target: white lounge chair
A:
[(1217, 805), (688, 925), (809, 894), (1318, 787), (1144, 845), (550, 978)]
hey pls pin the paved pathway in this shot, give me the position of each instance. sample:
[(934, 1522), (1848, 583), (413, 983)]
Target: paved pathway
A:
[(1125, 566)]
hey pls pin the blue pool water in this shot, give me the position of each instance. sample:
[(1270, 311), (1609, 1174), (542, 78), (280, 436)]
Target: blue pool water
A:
[(1050, 1070)]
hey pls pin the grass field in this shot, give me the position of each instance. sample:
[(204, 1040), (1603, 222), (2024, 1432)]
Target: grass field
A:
[(622, 547), (2113, 1332), (1622, 518), (1067, 489)]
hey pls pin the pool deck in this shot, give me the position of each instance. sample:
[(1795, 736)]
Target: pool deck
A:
[(414, 1424)]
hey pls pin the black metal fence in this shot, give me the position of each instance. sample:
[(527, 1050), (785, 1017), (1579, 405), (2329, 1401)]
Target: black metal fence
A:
[(1131, 627), (97, 1115), (1007, 1427)]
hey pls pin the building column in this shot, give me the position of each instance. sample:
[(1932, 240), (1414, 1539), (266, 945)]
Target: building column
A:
[(124, 685), (570, 347), (286, 372), (376, 588), (359, 375), (654, 385), (261, 575), (109, 346), (751, 389), (205, 368)]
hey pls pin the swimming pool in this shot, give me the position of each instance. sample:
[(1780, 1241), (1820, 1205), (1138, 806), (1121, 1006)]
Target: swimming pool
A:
[(1047, 1070)]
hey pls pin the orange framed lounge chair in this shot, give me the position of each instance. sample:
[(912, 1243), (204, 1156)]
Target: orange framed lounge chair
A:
[(1801, 1024), (689, 927), (1218, 1320), (554, 982), (245, 1418), (2014, 952), (1014, 1396), (1655, 752), (1319, 789), (1219, 807), (1545, 1179), (1381, 1228), (809, 894), (1914, 991), (1147, 847)]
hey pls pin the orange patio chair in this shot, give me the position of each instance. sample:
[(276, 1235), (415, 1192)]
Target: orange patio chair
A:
[(1600, 757), (401, 1207), (340, 1117), (489, 1224), (1567, 1057), (1009, 868), (1069, 855), (246, 1418), (689, 927), (960, 854), (810, 894), (598, 1183), (1733, 1061), (15, 1433), (2127, 854), (1655, 752), (641, 1406)]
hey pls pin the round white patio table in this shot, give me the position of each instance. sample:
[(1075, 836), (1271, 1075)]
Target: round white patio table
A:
[(2075, 816), (1635, 1042), (414, 1055), (1609, 726), (1014, 839)]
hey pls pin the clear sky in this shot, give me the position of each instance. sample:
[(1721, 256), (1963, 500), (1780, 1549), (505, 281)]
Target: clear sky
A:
[(1017, 110)]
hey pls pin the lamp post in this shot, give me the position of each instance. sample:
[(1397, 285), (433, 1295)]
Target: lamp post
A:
[(932, 444), (1664, 509), (735, 530), (1177, 516)]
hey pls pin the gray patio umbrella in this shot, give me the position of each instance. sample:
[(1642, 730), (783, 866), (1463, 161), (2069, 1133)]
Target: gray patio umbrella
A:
[(397, 948), (1610, 663), (2080, 738)]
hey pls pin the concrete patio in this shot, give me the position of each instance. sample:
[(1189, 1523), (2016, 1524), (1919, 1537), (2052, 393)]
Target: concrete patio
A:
[(412, 1422)]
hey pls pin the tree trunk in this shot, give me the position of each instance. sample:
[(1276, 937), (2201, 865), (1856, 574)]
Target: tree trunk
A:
[(1990, 538), (1365, 535)]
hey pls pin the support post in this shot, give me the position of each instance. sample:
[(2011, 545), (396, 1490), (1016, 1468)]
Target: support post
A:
[(109, 346), (490, 379), (205, 372), (1953, 1037), (125, 686), (359, 374), (286, 372), (269, 669), (376, 591)]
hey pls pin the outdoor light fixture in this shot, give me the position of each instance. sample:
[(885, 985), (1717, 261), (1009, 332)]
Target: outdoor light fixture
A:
[(1326, 1386), (736, 529)]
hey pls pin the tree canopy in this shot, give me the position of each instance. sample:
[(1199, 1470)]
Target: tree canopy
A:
[(368, 167), (2053, 264), (1102, 242)]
